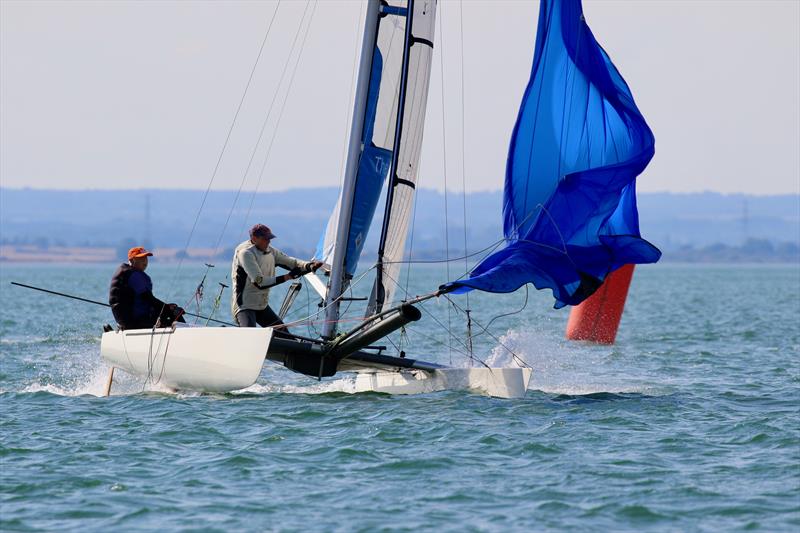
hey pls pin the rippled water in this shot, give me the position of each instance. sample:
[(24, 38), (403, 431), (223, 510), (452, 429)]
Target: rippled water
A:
[(691, 422)]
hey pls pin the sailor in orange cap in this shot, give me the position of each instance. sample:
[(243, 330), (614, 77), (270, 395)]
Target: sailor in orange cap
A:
[(131, 296)]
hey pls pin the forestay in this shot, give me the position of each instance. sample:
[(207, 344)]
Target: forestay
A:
[(570, 215)]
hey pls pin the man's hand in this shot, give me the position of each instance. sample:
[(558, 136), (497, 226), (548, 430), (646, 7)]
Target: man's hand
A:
[(313, 266), (295, 273)]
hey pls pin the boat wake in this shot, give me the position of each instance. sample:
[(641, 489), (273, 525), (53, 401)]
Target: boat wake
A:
[(561, 368), (91, 381), (346, 384), (566, 368)]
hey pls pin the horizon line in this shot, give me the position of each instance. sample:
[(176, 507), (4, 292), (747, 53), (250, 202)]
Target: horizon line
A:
[(292, 189)]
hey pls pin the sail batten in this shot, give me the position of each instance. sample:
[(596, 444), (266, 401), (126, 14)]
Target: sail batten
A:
[(579, 142)]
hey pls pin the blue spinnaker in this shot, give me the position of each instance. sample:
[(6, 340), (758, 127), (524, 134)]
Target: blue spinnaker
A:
[(569, 206)]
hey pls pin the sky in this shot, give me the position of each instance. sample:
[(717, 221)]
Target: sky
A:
[(120, 95)]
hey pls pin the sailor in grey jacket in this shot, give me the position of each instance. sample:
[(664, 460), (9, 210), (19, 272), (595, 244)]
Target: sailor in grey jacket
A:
[(253, 274)]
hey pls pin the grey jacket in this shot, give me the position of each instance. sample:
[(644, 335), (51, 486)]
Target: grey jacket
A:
[(251, 267)]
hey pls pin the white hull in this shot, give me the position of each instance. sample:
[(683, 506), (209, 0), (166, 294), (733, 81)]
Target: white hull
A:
[(497, 382), (227, 359), (199, 359)]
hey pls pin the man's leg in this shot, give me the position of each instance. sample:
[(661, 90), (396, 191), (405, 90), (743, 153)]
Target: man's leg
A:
[(246, 318), (267, 318)]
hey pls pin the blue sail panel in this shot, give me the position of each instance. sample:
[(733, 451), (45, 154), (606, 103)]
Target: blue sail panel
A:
[(373, 166), (372, 170), (569, 206)]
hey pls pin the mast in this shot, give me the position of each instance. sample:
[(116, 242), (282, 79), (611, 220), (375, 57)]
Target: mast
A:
[(351, 169), (378, 297)]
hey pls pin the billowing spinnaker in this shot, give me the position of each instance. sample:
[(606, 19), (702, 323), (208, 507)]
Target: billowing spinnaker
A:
[(569, 205)]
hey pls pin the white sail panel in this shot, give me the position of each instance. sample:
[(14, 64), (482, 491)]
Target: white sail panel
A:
[(419, 70)]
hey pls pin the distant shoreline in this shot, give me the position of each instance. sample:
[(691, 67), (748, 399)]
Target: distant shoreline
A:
[(29, 253)]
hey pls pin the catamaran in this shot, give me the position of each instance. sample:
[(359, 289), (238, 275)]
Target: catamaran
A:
[(569, 212)]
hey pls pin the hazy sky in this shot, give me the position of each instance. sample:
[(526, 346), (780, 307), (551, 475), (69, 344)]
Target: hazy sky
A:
[(141, 94)]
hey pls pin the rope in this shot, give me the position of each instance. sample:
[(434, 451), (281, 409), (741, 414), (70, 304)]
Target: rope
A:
[(224, 146), (484, 329), (444, 171), (260, 134), (280, 115), (517, 358), (524, 305), (451, 335), (217, 302), (324, 307), (350, 97), (463, 146), (411, 243), (436, 341)]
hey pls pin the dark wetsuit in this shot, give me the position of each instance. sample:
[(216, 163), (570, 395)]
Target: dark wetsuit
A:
[(132, 301)]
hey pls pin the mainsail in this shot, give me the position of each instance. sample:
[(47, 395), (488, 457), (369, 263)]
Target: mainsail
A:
[(569, 210), (391, 138)]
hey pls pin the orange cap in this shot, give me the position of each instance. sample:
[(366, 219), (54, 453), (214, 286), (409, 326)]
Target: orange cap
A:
[(138, 252)]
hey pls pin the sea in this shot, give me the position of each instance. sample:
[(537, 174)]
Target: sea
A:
[(690, 422)]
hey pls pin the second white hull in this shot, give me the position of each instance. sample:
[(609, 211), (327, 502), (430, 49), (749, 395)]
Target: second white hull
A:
[(497, 382), (199, 359)]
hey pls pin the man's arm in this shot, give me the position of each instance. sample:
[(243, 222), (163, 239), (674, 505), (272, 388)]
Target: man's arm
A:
[(298, 267), (288, 262), (250, 265)]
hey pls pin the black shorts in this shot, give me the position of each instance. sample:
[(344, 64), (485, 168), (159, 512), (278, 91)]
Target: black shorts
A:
[(250, 318)]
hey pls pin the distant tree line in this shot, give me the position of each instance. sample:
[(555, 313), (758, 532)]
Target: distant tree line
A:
[(751, 251)]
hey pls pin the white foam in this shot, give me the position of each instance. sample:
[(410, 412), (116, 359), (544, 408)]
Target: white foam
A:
[(342, 384), (566, 367), (94, 382)]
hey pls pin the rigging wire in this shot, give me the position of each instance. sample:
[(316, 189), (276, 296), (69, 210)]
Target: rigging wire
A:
[(411, 242), (484, 329), (323, 308), (451, 335), (444, 171), (521, 309), (217, 301), (463, 143), (351, 96), (516, 357), (197, 297), (225, 144), (261, 132), (437, 341), (464, 170), (491, 248), (280, 115)]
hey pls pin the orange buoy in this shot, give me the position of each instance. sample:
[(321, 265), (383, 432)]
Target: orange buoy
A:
[(597, 318)]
